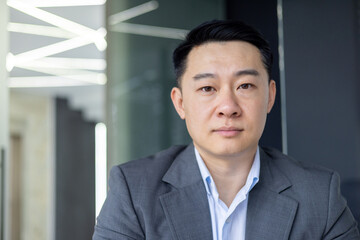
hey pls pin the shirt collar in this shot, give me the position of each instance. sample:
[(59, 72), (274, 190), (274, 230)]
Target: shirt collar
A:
[(251, 181)]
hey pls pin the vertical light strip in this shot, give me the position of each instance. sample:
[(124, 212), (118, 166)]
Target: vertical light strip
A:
[(282, 76), (100, 167), (51, 215)]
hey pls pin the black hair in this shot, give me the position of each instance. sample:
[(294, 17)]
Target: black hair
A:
[(219, 31)]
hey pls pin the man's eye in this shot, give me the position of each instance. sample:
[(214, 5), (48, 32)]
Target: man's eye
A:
[(245, 86), (207, 89)]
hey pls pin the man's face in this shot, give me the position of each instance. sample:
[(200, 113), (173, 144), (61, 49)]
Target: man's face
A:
[(224, 98)]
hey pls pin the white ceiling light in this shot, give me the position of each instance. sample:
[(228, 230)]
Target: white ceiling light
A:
[(64, 3), (39, 30), (78, 29), (153, 31), (117, 24), (71, 74), (133, 12), (9, 62), (50, 50), (67, 63)]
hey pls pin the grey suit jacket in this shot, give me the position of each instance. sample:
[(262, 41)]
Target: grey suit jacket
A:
[(164, 197)]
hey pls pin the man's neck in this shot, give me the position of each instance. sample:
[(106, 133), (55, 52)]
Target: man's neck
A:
[(229, 173)]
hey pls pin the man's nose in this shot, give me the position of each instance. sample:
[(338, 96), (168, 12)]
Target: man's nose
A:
[(228, 105)]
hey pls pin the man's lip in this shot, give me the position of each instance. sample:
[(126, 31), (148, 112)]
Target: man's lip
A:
[(228, 132), (227, 129)]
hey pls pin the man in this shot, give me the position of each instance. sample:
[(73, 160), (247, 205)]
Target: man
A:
[(223, 186)]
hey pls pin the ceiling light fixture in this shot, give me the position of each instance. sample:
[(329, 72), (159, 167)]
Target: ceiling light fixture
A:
[(133, 12), (49, 50), (78, 29), (64, 3), (153, 31), (39, 30), (67, 63), (116, 22)]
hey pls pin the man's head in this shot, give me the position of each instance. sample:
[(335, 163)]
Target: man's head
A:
[(225, 92), (220, 31)]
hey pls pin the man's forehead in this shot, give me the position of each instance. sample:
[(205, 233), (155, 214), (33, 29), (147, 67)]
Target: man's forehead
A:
[(236, 49), (214, 51), (223, 53)]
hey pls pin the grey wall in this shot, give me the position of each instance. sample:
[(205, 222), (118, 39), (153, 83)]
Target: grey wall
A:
[(322, 83)]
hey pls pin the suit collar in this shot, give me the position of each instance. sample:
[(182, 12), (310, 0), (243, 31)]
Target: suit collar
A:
[(184, 171), (270, 175), (186, 206), (270, 214)]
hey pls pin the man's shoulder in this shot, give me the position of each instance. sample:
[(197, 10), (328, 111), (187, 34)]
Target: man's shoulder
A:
[(161, 157), (143, 177), (304, 182), (297, 169), (156, 164)]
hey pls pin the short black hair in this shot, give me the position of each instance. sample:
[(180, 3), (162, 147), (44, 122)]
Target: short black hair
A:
[(220, 31)]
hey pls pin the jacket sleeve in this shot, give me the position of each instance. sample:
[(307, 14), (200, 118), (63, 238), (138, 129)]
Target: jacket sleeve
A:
[(118, 219), (340, 222)]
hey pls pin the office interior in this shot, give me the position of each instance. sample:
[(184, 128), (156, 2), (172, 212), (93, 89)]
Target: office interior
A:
[(85, 85)]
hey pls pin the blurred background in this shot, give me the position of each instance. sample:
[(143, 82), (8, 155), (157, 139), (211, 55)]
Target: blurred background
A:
[(85, 85)]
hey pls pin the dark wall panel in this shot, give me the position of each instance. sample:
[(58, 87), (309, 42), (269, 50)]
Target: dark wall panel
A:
[(75, 174), (262, 14), (322, 83)]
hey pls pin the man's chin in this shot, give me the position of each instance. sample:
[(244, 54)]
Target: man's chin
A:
[(226, 151), (235, 149)]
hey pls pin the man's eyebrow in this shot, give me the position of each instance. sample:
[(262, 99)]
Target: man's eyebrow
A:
[(252, 72), (203, 75)]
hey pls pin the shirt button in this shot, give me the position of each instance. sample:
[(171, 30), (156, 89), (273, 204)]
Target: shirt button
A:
[(228, 220)]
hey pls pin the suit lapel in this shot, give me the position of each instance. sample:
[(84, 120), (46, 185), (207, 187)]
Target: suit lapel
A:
[(270, 215), (186, 206)]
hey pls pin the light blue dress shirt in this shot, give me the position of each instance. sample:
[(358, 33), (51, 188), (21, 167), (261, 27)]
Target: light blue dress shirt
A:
[(229, 223)]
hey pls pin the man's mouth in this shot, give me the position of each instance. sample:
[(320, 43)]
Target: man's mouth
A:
[(228, 131)]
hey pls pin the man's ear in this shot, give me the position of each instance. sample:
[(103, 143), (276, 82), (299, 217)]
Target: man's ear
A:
[(272, 95), (177, 99)]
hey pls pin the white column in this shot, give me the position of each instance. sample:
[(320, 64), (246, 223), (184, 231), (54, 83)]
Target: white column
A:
[(4, 116)]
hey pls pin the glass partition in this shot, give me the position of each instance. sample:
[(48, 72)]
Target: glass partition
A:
[(141, 37)]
